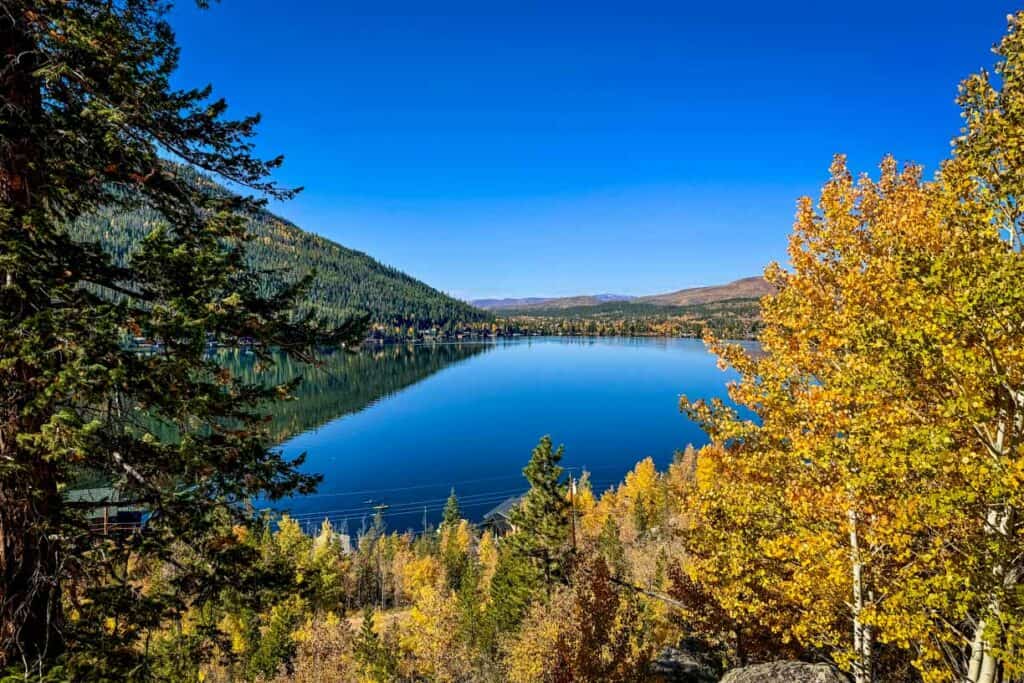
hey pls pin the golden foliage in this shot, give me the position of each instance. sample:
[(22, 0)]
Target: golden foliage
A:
[(421, 574), (593, 631), (432, 637), (324, 653), (487, 555), (869, 503)]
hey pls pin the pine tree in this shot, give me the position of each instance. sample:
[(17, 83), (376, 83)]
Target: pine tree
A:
[(367, 642), (88, 120), (610, 548), (470, 602), (328, 564), (536, 554), (452, 514), (517, 582), (276, 646), (456, 541), (372, 653), (541, 520), (369, 570)]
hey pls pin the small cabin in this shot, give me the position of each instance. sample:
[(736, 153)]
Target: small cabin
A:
[(107, 510), (499, 520)]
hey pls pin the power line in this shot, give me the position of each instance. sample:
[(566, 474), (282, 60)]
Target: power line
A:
[(363, 492), (416, 506), (408, 488), (315, 517)]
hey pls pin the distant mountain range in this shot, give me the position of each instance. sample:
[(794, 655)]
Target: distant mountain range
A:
[(746, 288), (345, 280), (549, 302)]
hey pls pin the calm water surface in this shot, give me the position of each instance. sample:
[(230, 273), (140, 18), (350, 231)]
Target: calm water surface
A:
[(405, 424)]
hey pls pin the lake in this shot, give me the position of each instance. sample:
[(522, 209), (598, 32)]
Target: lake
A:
[(402, 425)]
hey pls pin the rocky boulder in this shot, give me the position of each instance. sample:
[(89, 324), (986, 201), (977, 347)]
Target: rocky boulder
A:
[(786, 672), (692, 661)]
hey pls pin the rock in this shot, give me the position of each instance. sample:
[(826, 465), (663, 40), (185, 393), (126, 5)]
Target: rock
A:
[(693, 661), (786, 672)]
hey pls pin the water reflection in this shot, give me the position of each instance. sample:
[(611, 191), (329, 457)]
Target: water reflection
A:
[(342, 383)]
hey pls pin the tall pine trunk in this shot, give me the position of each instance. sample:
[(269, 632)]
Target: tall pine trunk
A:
[(30, 609)]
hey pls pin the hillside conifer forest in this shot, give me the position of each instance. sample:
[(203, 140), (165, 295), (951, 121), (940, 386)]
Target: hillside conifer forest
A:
[(343, 283), (858, 506)]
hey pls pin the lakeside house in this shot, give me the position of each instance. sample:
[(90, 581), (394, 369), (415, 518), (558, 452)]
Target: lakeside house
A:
[(499, 520), (107, 509)]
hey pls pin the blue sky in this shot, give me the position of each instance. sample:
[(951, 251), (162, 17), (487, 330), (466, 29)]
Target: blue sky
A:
[(555, 148)]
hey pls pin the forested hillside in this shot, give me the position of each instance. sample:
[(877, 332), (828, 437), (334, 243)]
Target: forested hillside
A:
[(346, 280)]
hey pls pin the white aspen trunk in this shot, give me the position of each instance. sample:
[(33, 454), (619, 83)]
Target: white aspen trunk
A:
[(989, 667), (977, 652), (983, 666), (866, 644), (861, 635)]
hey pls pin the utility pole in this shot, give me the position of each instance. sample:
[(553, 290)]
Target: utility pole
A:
[(572, 510), (380, 552)]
